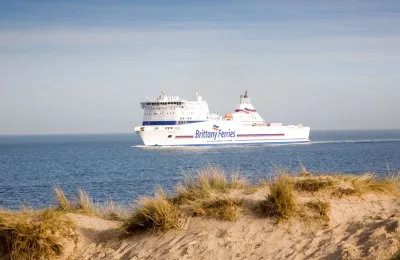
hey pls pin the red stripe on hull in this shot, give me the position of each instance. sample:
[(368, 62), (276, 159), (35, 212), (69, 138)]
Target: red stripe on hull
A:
[(183, 136), (258, 135)]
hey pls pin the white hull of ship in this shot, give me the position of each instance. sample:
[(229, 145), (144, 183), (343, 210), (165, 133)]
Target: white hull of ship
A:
[(227, 133)]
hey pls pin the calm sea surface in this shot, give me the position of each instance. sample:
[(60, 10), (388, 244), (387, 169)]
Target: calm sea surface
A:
[(118, 167)]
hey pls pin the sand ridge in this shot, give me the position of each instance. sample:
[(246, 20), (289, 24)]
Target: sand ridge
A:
[(366, 227)]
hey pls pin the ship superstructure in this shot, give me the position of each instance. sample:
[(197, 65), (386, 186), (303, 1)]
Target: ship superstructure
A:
[(170, 121)]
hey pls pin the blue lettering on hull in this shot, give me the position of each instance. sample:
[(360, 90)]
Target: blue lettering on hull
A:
[(215, 134)]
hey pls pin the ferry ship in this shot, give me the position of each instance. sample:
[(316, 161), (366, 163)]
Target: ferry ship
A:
[(170, 121)]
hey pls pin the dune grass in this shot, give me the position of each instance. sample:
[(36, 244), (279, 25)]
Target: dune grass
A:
[(237, 181), (209, 180), (348, 184), (396, 256), (304, 172), (280, 201), (218, 208), (358, 185), (63, 203), (322, 208), (222, 209), (156, 213), (35, 235), (250, 190), (83, 204), (112, 211), (313, 183), (370, 183)]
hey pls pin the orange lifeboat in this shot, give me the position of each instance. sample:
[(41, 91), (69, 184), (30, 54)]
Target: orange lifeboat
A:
[(228, 116)]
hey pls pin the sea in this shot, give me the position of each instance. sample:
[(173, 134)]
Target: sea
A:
[(118, 167)]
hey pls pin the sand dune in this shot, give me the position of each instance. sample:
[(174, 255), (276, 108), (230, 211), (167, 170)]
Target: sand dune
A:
[(366, 227), (292, 217)]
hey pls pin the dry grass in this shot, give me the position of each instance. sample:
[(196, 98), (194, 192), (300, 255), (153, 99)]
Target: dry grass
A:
[(367, 183), (35, 235), (218, 208), (396, 256), (322, 208), (207, 181), (157, 214), (112, 211), (223, 209), (349, 185), (304, 172), (63, 203), (312, 184), (212, 178), (250, 190), (237, 181), (370, 183), (280, 202), (84, 203)]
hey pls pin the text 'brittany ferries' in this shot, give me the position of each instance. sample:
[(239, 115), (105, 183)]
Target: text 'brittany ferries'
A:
[(217, 133)]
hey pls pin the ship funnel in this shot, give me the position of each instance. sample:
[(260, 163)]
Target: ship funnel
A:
[(244, 99)]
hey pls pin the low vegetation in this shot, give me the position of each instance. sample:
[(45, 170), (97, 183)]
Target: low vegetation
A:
[(35, 235), (218, 208), (156, 213), (63, 203), (250, 190), (320, 207), (370, 183), (396, 256), (280, 201), (304, 172), (313, 184), (206, 182), (237, 181), (83, 204), (112, 211), (347, 184)]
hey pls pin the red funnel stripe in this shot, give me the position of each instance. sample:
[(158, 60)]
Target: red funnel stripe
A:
[(241, 110)]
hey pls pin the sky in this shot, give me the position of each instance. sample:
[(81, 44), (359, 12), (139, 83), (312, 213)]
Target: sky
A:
[(83, 66)]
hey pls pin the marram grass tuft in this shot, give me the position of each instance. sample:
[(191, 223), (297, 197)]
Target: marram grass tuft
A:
[(35, 235)]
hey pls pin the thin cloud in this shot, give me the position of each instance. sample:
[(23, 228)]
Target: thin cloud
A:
[(84, 37)]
